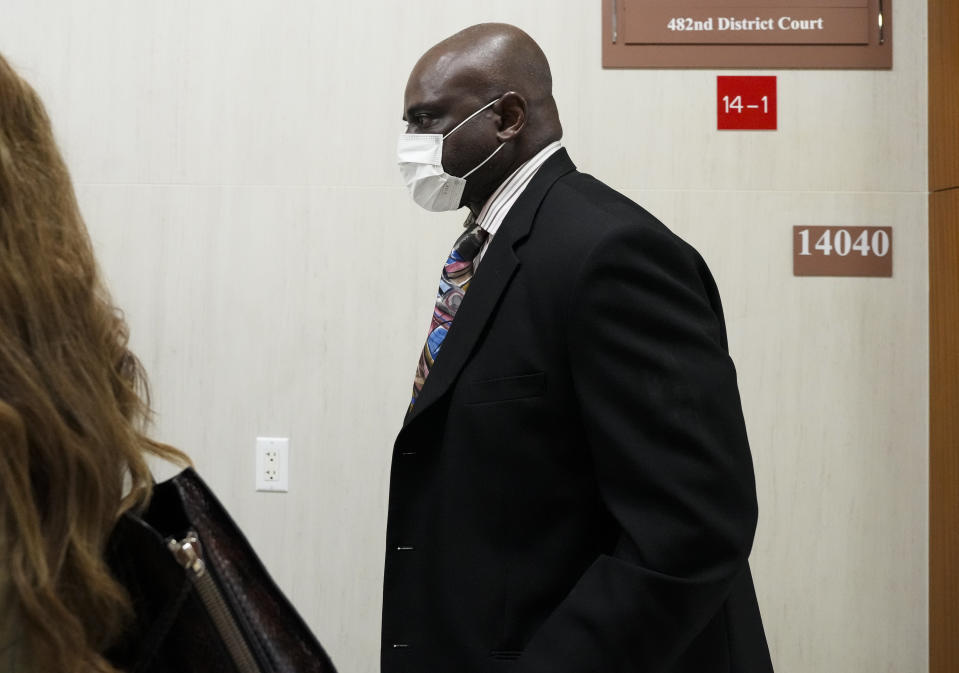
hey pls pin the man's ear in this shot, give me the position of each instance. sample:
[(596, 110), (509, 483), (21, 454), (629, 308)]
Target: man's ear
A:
[(511, 108)]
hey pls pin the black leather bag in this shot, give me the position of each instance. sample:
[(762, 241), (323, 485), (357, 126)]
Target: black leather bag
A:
[(203, 600)]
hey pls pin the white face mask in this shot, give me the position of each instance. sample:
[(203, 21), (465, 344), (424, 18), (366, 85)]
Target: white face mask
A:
[(420, 156)]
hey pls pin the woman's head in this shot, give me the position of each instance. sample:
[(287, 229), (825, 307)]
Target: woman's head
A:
[(72, 401)]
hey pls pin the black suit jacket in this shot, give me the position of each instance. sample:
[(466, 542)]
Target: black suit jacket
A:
[(573, 492)]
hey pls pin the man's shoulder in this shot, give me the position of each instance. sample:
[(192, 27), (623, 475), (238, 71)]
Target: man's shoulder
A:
[(584, 206), (581, 215)]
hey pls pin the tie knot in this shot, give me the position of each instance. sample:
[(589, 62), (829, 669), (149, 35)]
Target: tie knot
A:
[(470, 241)]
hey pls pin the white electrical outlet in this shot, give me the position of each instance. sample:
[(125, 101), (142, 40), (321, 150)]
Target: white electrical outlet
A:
[(273, 464)]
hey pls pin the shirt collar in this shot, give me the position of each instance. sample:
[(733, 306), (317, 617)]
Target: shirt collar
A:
[(498, 205)]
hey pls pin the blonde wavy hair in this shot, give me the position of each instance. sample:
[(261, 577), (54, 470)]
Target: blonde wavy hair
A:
[(73, 404)]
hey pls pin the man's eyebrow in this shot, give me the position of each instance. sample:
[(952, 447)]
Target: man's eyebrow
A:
[(435, 103)]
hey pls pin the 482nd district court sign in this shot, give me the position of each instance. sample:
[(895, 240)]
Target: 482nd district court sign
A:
[(747, 33)]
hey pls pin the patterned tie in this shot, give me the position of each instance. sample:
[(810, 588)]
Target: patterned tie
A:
[(454, 281)]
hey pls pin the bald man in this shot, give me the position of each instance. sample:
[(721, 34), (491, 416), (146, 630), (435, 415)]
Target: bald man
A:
[(572, 489)]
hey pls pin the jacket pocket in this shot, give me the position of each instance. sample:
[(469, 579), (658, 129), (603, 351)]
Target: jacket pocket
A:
[(506, 388)]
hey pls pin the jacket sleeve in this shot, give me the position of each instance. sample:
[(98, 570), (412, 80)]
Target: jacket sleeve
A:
[(663, 420)]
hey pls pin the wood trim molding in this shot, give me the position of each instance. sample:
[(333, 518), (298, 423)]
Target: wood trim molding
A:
[(944, 431), (943, 336), (943, 95)]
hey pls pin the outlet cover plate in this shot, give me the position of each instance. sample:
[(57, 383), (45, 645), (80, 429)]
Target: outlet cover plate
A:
[(273, 464)]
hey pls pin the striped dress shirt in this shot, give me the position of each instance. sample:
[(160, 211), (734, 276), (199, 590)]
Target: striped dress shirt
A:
[(497, 207)]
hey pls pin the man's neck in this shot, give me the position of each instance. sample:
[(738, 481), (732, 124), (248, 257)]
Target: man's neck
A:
[(476, 205)]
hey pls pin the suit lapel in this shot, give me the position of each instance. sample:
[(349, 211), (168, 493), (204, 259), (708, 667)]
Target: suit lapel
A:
[(487, 286)]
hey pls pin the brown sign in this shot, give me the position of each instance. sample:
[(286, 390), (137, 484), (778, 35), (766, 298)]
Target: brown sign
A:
[(842, 251), (747, 33), (683, 23), (754, 3)]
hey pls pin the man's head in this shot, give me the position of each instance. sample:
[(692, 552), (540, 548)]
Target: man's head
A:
[(484, 63)]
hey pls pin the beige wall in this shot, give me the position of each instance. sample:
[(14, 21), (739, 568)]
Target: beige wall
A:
[(235, 164)]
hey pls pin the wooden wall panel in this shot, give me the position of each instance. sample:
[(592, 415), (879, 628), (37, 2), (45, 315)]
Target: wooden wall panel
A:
[(943, 94), (944, 432), (943, 339)]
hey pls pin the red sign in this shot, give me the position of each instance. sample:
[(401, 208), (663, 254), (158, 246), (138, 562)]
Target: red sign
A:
[(746, 103)]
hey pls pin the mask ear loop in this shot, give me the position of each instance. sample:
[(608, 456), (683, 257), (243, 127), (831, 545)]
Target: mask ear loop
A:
[(475, 168), (501, 145), (470, 117)]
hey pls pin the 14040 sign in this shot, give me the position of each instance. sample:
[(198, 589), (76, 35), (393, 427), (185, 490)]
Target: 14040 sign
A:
[(842, 251)]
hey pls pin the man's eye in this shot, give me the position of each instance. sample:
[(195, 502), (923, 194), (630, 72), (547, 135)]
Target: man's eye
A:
[(422, 120)]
